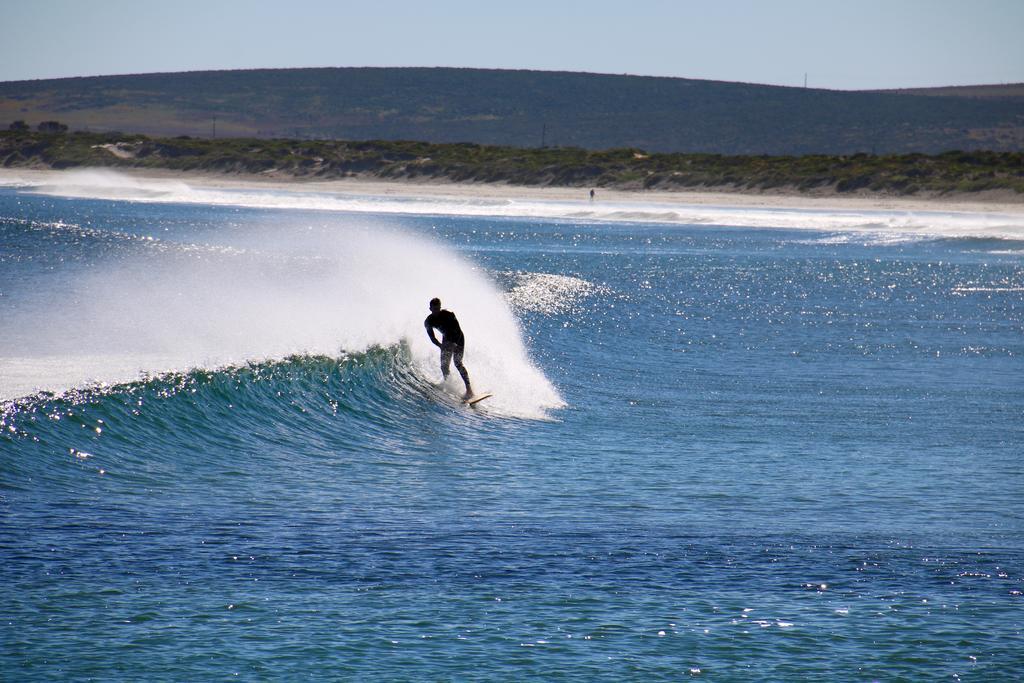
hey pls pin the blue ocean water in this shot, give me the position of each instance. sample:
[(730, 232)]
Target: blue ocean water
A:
[(714, 451)]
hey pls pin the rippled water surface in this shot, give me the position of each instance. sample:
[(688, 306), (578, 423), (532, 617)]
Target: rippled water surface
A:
[(713, 452)]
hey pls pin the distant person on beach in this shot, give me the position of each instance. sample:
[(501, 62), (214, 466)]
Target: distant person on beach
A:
[(591, 194), (452, 344)]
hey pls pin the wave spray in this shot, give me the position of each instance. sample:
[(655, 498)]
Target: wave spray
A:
[(339, 286)]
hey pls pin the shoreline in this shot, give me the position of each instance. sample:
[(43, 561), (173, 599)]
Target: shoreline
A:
[(997, 202)]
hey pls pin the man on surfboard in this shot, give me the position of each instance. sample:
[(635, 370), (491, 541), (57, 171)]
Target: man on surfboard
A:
[(452, 344)]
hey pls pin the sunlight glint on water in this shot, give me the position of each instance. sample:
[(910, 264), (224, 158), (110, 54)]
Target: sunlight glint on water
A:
[(764, 454)]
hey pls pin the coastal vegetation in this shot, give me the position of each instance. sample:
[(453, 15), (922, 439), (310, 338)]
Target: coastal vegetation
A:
[(955, 172)]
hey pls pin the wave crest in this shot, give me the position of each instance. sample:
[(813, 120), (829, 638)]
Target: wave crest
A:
[(343, 285)]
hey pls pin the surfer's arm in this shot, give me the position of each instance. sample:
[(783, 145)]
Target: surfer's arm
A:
[(430, 333)]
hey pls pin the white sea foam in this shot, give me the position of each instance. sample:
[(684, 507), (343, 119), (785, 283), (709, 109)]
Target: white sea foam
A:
[(101, 183), (346, 284)]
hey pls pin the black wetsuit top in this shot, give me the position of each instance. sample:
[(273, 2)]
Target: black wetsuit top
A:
[(445, 321)]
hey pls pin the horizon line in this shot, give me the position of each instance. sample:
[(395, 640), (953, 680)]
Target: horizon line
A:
[(508, 69)]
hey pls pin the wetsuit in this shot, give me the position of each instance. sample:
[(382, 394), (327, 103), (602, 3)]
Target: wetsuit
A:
[(453, 342)]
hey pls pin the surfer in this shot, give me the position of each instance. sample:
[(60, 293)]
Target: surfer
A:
[(452, 344)]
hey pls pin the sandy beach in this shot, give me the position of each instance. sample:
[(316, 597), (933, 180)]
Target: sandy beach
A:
[(996, 202)]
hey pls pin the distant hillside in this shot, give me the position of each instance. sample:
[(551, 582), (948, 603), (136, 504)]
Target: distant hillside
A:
[(1003, 90), (521, 108)]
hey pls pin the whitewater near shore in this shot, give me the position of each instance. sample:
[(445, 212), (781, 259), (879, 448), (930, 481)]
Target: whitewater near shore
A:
[(998, 216)]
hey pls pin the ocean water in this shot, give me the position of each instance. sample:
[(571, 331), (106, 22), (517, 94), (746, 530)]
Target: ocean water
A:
[(724, 444)]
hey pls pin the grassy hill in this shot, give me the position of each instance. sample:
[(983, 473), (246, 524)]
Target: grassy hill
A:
[(949, 173), (522, 108)]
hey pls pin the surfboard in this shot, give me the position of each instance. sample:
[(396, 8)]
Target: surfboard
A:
[(473, 400)]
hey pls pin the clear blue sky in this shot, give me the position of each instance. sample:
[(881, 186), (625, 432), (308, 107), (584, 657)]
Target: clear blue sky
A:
[(852, 44)]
